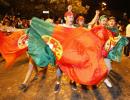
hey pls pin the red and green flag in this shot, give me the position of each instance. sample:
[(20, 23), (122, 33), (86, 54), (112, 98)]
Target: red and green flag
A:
[(77, 50)]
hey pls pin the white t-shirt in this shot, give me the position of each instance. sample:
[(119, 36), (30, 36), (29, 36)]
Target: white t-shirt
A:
[(128, 30), (64, 25)]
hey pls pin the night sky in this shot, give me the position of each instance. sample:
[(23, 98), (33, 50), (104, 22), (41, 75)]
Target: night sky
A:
[(118, 5)]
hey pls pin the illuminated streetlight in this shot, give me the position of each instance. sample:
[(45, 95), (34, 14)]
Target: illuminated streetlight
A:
[(45, 12), (104, 3)]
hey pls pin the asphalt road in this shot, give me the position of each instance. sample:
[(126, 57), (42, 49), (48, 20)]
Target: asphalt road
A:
[(43, 89)]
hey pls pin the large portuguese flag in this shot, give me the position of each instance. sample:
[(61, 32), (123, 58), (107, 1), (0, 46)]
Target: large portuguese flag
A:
[(77, 50)]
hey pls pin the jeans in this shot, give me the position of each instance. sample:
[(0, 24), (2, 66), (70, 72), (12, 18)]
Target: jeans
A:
[(58, 73), (108, 64)]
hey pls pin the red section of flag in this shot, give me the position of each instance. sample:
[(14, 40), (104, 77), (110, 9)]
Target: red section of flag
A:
[(82, 58)]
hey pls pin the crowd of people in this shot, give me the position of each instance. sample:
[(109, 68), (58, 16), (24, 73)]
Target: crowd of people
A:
[(13, 21), (103, 26)]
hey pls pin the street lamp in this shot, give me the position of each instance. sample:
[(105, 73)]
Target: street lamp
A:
[(103, 5)]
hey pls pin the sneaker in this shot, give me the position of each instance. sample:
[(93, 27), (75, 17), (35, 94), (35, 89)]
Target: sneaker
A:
[(57, 88), (108, 83), (73, 86), (23, 87)]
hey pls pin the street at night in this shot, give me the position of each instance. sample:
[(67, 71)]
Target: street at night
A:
[(43, 89), (64, 50)]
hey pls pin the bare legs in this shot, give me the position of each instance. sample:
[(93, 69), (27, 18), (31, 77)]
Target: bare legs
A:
[(32, 66)]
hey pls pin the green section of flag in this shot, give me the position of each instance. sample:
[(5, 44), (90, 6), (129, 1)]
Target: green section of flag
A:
[(116, 52), (41, 27), (37, 48)]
